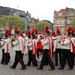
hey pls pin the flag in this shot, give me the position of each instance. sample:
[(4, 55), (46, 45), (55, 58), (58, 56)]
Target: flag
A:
[(7, 29)]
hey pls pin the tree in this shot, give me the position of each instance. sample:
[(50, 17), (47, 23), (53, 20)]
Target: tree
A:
[(12, 20), (41, 24), (73, 23)]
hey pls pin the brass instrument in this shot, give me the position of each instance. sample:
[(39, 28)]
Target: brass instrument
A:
[(28, 48)]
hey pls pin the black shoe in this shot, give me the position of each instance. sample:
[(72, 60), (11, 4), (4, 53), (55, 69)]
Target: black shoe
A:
[(51, 69), (60, 68), (56, 65), (22, 68), (8, 60), (39, 68), (70, 68), (2, 62), (45, 64), (12, 67), (5, 63)]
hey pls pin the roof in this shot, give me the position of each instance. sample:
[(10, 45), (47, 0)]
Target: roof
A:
[(7, 10), (63, 11), (35, 20), (4, 11)]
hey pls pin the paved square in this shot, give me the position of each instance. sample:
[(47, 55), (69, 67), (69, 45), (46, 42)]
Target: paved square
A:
[(5, 70)]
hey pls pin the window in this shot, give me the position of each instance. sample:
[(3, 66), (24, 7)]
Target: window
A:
[(62, 21), (60, 14), (69, 21), (71, 14), (58, 21)]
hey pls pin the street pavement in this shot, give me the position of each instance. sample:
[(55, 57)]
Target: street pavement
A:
[(5, 69)]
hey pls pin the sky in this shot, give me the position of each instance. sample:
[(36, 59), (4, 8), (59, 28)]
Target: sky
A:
[(42, 9)]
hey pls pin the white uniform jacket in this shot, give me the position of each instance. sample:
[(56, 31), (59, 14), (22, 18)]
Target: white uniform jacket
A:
[(66, 43), (18, 44), (45, 43), (57, 45)]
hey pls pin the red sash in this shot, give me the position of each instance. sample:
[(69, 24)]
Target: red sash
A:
[(50, 46), (73, 46), (34, 48), (6, 48)]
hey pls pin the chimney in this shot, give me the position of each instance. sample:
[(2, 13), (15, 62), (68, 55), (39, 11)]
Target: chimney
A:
[(27, 12), (37, 19)]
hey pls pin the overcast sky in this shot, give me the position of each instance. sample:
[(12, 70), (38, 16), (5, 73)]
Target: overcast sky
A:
[(42, 9)]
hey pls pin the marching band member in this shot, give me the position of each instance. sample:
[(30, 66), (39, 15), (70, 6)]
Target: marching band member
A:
[(57, 47), (29, 46), (6, 47), (47, 50), (9, 46), (39, 47), (25, 41), (34, 46), (66, 51), (72, 39), (31, 52), (3, 48), (4, 43), (18, 47)]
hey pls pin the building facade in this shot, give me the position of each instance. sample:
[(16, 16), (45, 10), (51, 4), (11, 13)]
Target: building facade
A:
[(33, 22), (63, 18), (26, 16)]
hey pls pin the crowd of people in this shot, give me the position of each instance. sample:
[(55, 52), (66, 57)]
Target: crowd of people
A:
[(40, 47)]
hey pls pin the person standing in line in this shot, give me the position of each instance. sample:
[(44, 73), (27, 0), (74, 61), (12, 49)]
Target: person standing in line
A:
[(47, 43), (18, 47)]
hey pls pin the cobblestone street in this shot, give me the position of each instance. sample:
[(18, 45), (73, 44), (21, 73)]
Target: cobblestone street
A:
[(5, 70)]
